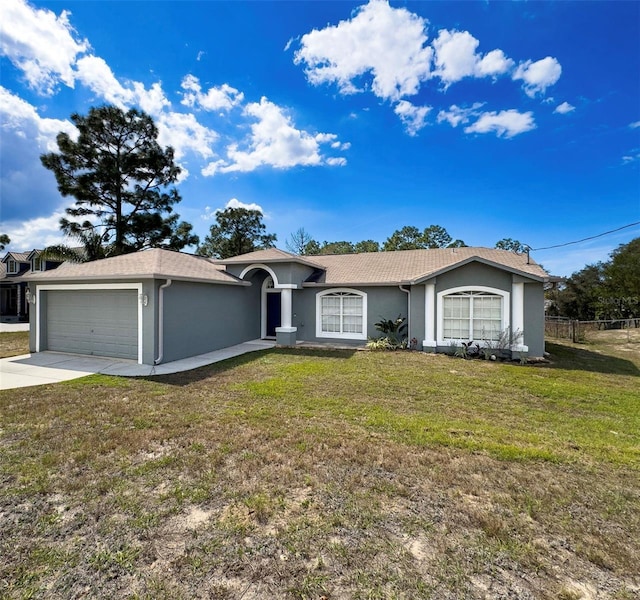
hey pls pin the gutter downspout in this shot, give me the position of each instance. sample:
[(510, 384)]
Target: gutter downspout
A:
[(408, 293), (158, 360)]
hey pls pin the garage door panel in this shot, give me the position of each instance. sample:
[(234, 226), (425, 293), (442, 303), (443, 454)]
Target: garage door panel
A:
[(95, 322)]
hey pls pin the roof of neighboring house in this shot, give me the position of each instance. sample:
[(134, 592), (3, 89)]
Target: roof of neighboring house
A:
[(155, 263), (270, 255), (403, 266), (17, 256)]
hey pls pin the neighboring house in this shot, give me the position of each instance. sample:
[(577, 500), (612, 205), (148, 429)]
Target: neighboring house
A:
[(14, 305), (157, 305)]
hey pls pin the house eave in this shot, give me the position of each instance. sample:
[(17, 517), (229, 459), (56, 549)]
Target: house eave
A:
[(312, 284), (133, 277)]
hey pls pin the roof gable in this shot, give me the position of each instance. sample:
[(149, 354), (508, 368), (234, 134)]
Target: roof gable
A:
[(20, 257), (269, 255)]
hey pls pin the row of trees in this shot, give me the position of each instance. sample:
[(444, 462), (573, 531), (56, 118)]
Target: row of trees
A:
[(406, 238), (605, 290)]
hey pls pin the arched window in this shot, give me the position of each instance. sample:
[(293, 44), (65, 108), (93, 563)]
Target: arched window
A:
[(473, 314), (341, 313)]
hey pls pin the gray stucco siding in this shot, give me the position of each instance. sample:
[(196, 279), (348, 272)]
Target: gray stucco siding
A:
[(202, 317), (382, 303), (534, 318), (417, 317), (286, 273), (474, 274)]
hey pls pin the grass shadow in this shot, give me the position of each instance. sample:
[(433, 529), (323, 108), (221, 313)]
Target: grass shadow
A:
[(185, 378), (581, 359)]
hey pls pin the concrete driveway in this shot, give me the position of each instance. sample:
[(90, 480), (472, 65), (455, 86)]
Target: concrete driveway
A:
[(51, 367)]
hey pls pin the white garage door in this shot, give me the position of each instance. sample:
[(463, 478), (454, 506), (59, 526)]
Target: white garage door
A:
[(96, 322)]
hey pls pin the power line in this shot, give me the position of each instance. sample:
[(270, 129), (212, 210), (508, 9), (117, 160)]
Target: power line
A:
[(593, 237)]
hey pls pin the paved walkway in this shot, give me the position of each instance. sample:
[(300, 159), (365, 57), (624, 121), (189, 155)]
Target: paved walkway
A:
[(50, 367)]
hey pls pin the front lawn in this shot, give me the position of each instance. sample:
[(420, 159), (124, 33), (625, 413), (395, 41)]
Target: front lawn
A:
[(14, 343), (335, 474)]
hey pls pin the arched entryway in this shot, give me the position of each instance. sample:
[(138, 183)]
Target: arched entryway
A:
[(275, 305)]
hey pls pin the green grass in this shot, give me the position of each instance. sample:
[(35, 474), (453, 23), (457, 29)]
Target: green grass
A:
[(303, 474)]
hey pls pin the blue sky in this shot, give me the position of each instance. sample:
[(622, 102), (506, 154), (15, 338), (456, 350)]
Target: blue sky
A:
[(349, 119)]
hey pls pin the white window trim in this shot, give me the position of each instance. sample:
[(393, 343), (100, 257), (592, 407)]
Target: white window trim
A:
[(334, 335), (33, 264), (506, 304), (89, 286), (12, 267)]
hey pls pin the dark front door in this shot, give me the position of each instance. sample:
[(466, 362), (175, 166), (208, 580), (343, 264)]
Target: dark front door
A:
[(273, 313)]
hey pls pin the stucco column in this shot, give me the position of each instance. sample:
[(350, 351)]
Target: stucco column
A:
[(286, 308), (517, 315), (429, 343), (286, 334)]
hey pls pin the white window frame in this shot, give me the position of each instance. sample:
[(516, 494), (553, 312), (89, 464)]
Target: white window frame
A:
[(12, 266), (36, 260), (341, 335), (505, 310)]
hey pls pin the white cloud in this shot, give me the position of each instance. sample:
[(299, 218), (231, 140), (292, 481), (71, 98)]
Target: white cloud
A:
[(21, 117), (185, 134), (457, 115), (456, 58), (634, 156), (564, 108), (538, 76), (384, 42), (210, 169), (235, 203), (96, 74), (506, 123), (39, 43), (413, 117), (210, 214), (222, 98), (35, 233), (493, 63), (274, 141), (634, 125)]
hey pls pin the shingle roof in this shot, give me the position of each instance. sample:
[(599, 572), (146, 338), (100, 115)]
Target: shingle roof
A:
[(147, 264), (413, 266), (269, 255), (18, 256)]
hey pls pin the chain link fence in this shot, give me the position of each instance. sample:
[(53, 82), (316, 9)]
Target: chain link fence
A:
[(623, 330)]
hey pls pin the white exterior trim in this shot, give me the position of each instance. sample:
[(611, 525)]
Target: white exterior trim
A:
[(334, 335), (506, 316), (517, 298), (260, 266), (429, 316), (84, 287)]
